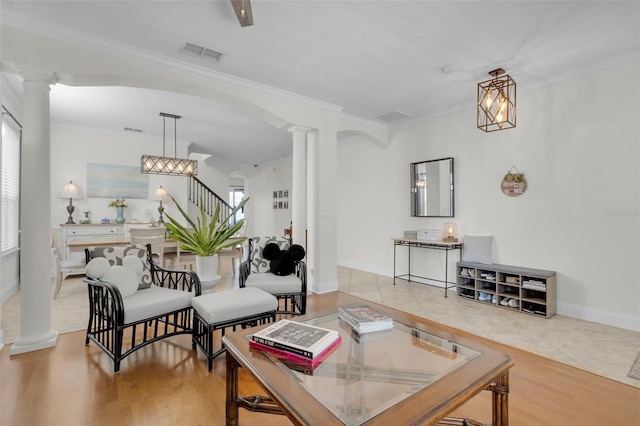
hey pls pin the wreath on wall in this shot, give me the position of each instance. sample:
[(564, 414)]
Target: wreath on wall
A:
[(513, 183)]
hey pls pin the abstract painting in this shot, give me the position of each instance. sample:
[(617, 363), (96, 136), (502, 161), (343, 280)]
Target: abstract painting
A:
[(113, 181)]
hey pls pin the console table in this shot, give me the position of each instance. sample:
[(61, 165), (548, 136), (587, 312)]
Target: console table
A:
[(433, 245)]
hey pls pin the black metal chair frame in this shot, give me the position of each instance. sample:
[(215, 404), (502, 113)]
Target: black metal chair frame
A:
[(106, 325), (203, 331), (294, 303)]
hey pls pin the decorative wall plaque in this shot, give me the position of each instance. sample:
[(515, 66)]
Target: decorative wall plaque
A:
[(514, 183)]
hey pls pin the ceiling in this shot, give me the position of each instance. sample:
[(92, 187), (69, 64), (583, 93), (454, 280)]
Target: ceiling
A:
[(419, 58)]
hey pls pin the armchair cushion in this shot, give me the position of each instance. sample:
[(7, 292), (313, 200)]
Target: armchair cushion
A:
[(274, 284), (122, 277), (125, 278), (154, 301), (115, 255), (477, 249), (257, 261)]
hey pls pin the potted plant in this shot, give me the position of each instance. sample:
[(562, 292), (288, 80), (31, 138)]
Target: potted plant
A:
[(206, 237)]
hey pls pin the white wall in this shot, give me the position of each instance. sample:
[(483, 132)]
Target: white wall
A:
[(73, 148), (264, 220), (577, 143)]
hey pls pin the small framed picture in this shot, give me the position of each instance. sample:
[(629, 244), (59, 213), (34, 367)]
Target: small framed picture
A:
[(280, 204), (286, 204), (280, 194), (286, 193), (275, 194), (275, 205)]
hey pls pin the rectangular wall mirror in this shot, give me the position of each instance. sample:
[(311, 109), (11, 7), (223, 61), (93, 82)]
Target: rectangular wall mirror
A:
[(432, 188)]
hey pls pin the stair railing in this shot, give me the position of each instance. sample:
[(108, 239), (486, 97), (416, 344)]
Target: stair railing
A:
[(197, 189)]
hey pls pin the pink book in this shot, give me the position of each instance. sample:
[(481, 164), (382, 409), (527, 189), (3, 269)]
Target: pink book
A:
[(313, 362)]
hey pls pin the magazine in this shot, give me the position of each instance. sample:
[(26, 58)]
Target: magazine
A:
[(294, 360), (305, 340), (364, 318)]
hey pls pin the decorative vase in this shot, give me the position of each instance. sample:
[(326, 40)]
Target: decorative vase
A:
[(119, 214), (207, 270)]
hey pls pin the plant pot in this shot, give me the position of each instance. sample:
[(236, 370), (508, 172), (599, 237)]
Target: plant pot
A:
[(207, 270), (119, 214)]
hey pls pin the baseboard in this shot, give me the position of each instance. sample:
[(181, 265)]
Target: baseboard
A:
[(575, 311), (9, 290), (603, 317)]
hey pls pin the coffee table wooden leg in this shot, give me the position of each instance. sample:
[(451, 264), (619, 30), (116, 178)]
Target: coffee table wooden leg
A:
[(232, 391), (500, 400)]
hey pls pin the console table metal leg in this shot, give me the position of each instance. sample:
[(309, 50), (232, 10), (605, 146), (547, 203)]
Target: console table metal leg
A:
[(409, 261), (446, 272), (394, 263)]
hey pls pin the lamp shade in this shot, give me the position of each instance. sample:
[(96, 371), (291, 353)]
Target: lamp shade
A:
[(161, 194), (70, 190)]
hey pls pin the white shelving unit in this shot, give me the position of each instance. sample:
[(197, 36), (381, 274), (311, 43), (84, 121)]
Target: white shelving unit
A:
[(533, 290)]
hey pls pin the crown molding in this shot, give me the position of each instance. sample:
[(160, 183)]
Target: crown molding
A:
[(90, 41)]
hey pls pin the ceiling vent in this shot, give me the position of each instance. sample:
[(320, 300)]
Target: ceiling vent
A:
[(392, 116), (131, 129), (201, 51)]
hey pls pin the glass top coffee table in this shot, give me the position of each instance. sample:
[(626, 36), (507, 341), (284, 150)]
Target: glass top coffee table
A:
[(414, 372)]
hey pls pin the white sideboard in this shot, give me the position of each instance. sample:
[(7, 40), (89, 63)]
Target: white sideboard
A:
[(86, 232)]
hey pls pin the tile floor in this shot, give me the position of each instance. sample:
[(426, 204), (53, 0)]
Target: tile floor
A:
[(602, 349)]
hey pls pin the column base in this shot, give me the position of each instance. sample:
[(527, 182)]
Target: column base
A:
[(23, 345)]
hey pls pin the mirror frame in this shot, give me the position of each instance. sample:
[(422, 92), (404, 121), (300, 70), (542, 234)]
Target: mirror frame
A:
[(414, 189)]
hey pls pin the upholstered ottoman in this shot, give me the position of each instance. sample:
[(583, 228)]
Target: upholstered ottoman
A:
[(217, 311)]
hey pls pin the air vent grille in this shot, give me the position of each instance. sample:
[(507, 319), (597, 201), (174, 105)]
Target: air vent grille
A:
[(201, 51), (131, 129), (392, 116)]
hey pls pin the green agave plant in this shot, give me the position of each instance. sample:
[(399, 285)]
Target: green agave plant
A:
[(206, 237)]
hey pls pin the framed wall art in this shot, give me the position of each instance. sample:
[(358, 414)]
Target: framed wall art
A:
[(114, 181)]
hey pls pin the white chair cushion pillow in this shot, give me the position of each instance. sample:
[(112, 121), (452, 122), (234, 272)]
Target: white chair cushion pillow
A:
[(122, 277), (477, 249), (274, 284), (97, 267), (153, 301)]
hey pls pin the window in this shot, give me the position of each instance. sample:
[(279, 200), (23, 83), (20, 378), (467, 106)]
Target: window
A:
[(11, 135), (235, 196)]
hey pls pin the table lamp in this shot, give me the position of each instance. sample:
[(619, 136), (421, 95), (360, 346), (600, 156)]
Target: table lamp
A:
[(70, 191), (451, 232), (161, 195)]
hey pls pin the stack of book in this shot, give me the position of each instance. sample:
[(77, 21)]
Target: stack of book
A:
[(364, 319), (299, 342)]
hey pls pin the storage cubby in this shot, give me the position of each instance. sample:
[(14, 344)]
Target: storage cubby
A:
[(531, 291)]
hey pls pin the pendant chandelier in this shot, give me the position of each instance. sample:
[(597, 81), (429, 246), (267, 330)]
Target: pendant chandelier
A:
[(497, 102), (152, 164)]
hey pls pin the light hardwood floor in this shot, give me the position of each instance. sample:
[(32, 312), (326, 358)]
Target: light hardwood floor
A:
[(167, 383)]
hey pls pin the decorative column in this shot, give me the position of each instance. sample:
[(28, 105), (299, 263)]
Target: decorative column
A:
[(299, 185), (324, 232), (35, 217), (312, 211)]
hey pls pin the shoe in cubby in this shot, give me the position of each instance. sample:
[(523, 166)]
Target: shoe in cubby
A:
[(484, 297)]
